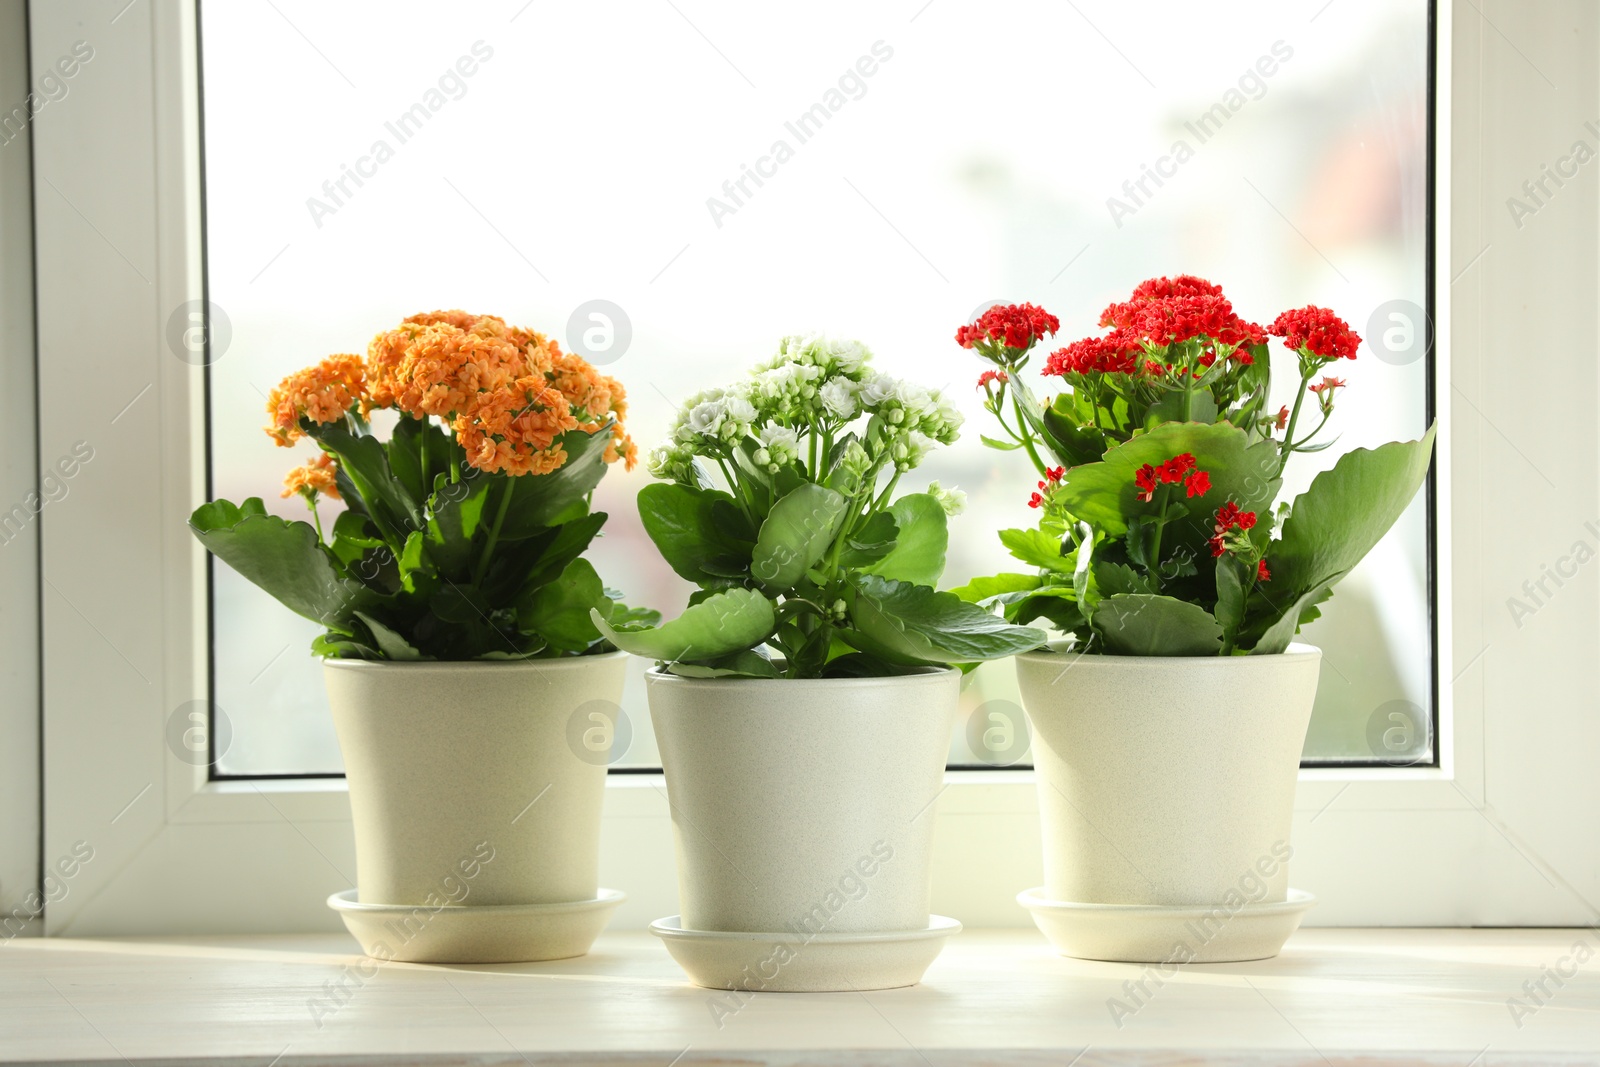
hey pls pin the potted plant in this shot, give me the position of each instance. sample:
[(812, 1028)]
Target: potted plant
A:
[(804, 702), (459, 647), (1168, 722)]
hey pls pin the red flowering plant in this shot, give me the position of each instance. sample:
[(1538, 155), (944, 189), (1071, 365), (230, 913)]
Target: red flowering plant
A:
[(1160, 464)]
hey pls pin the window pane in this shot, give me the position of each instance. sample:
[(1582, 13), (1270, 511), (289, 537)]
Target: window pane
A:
[(908, 169)]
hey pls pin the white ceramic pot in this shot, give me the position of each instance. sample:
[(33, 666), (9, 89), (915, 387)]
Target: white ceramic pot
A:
[(1167, 783), (803, 811), (467, 788)]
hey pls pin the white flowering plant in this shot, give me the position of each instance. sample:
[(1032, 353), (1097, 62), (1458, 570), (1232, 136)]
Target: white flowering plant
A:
[(807, 564)]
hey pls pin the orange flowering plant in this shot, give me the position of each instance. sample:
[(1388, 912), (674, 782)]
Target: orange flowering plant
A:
[(462, 535)]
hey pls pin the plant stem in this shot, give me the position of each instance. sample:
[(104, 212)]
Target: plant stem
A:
[(1027, 437), (1294, 417), (312, 504), (494, 532), (1155, 542), (427, 486)]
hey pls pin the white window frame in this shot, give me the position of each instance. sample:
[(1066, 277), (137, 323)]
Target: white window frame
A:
[(1472, 841)]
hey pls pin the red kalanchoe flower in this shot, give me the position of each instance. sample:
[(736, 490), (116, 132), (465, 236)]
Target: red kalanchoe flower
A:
[(1014, 325), (1198, 483), (1262, 572), (1318, 331), (1053, 476), (1144, 479), (992, 376), (1229, 517), (1328, 383), (1173, 470), (1116, 353), (1283, 417)]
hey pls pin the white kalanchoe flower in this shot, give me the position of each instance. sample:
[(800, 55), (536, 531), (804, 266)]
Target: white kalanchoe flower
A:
[(740, 410), (847, 357), (839, 398), (781, 444), (954, 501), (706, 417), (909, 451), (878, 390)]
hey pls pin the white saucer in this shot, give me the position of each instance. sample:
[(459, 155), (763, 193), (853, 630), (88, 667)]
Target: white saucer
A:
[(789, 963), (476, 933), (1150, 933)]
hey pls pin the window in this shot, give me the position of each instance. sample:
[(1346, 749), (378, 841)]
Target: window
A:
[(716, 177), (116, 168)]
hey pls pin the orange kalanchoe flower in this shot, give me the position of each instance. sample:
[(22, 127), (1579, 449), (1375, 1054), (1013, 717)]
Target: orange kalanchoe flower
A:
[(319, 476), (447, 369), (514, 429), (323, 394), (508, 392)]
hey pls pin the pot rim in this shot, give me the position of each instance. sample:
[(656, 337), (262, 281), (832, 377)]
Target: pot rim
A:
[(559, 663), (918, 676), (1296, 650)]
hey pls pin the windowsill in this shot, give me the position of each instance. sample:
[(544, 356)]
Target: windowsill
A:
[(1414, 996)]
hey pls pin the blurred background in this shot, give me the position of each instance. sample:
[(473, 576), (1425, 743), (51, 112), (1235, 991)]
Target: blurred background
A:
[(577, 162)]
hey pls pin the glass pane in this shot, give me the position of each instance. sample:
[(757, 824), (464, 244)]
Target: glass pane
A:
[(727, 174)]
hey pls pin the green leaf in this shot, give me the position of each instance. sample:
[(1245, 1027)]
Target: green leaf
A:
[(622, 616), (1070, 443), (745, 663), (1139, 624), (457, 512), (1004, 446), (560, 547), (870, 543), (699, 532), (796, 535), (284, 558), (981, 589), (1114, 578), (1303, 610), (334, 646), (906, 623), (1038, 548), (541, 499), (405, 454), (1231, 576), (919, 548), (1343, 514), (723, 623), (559, 611), (1103, 494), (365, 462), (390, 643)]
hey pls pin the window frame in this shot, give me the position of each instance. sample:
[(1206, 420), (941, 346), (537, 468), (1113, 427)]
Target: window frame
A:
[(1379, 845)]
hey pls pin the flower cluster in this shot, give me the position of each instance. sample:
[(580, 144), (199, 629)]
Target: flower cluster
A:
[(1178, 469), (317, 477), (1052, 478), (320, 394), (814, 384), (1014, 326), (1162, 313), (1318, 332), (1228, 533), (508, 393)]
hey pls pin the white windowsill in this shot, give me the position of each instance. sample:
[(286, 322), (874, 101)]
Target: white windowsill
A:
[(996, 997)]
